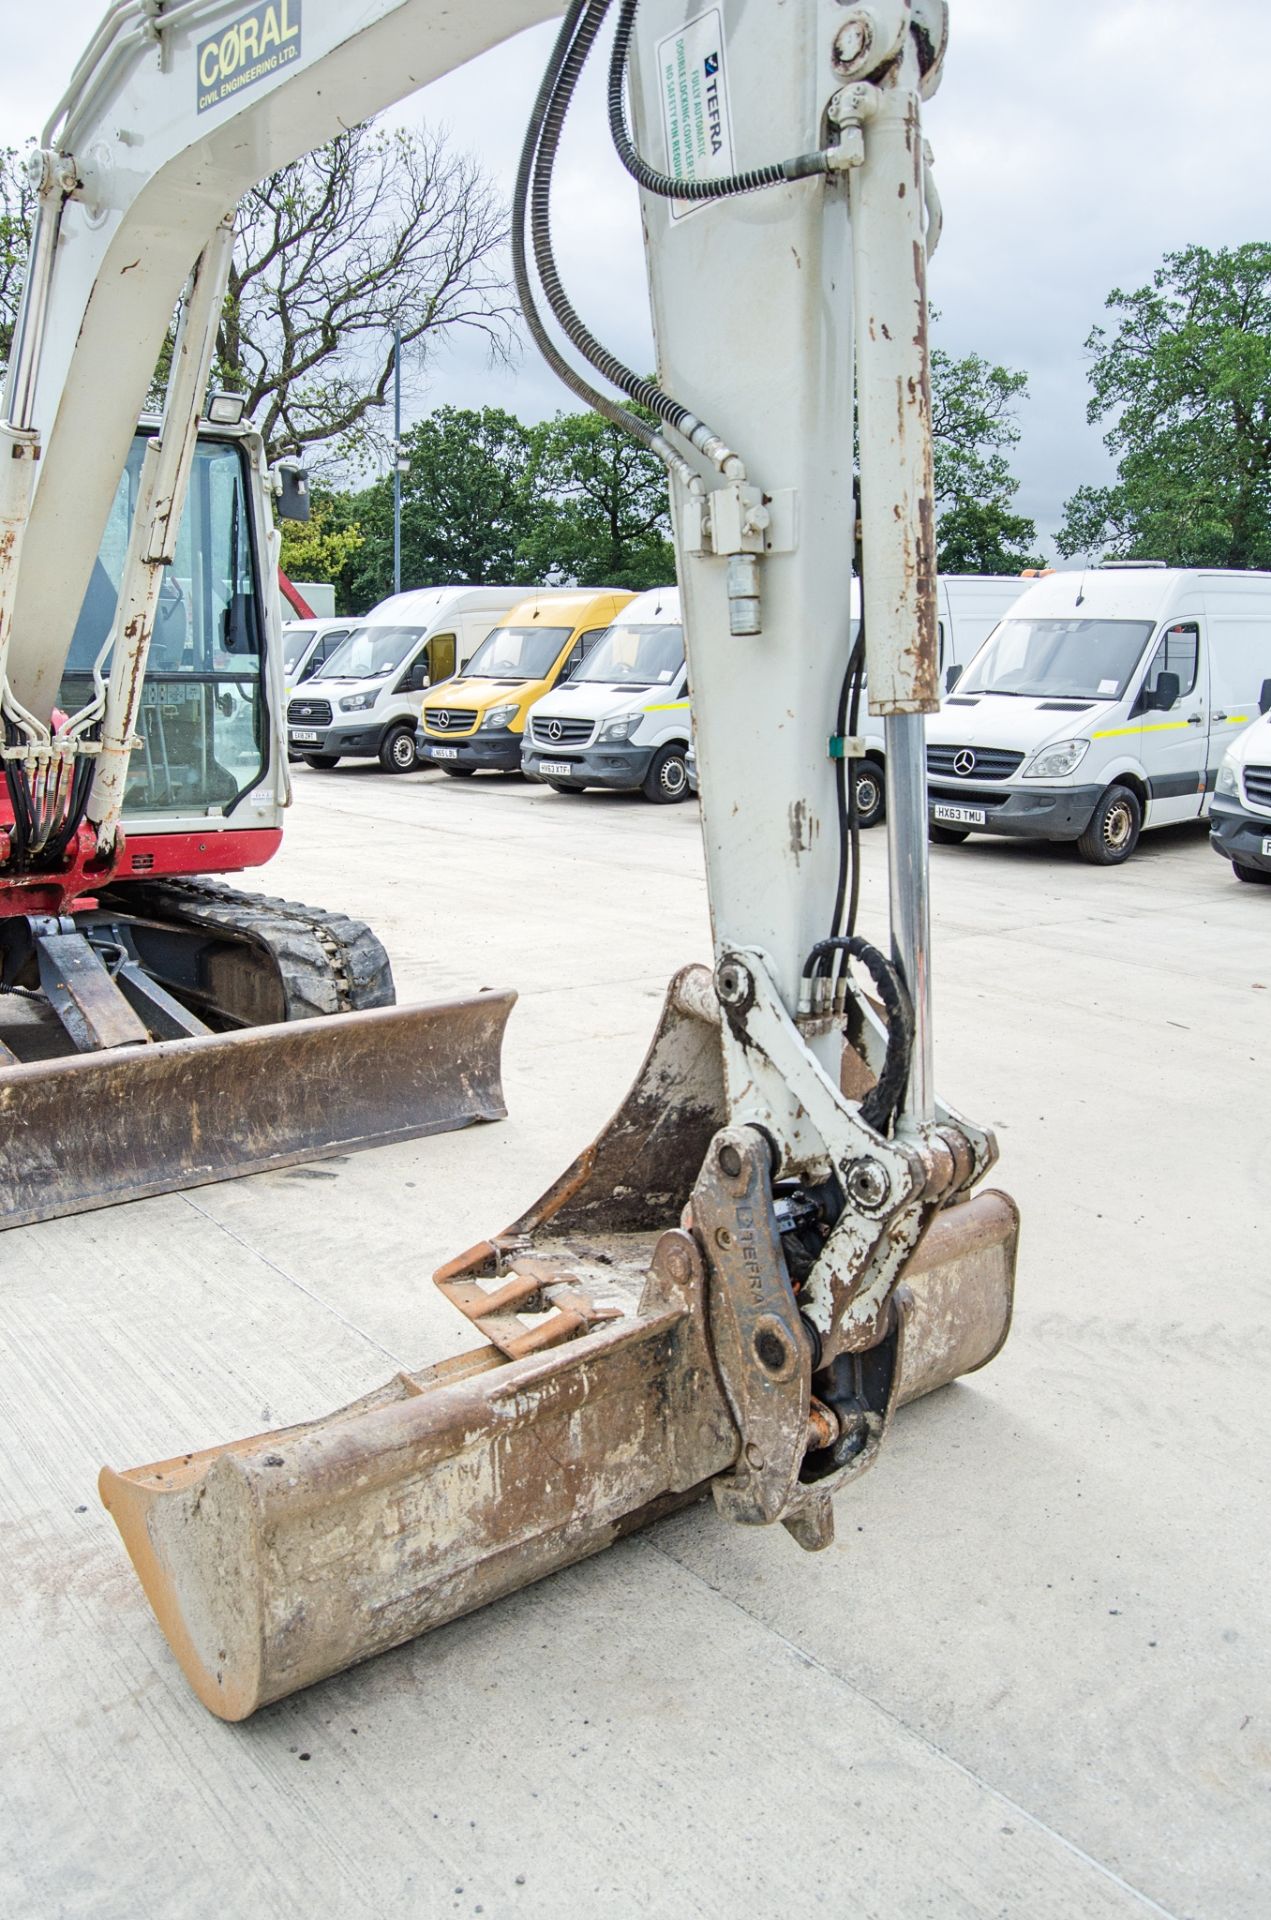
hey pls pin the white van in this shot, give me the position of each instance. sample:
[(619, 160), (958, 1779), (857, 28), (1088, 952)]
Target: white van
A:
[(307, 643), (969, 607), (1105, 703), (1240, 814), (363, 702), (622, 719)]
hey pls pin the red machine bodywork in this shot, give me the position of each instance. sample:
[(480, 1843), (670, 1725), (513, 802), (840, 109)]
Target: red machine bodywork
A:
[(136, 856)]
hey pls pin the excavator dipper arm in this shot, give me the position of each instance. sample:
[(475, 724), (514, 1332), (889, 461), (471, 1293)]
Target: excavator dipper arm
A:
[(775, 1243)]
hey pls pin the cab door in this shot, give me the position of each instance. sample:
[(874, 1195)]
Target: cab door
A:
[(1175, 739)]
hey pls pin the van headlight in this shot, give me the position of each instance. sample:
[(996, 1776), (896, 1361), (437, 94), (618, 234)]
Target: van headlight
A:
[(357, 702), (1053, 763), (1228, 780), (620, 729), (499, 717)]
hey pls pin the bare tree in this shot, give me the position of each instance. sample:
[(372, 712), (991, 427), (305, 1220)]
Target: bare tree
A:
[(373, 231)]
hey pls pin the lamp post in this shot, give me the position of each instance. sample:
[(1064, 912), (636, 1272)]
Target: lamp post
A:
[(401, 464)]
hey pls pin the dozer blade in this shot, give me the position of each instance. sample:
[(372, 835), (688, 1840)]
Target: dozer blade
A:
[(279, 1560), (98, 1129)]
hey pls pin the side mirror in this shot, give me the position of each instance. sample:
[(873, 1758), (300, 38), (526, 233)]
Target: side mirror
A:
[(952, 675), (1264, 698), (291, 491), (1165, 694)]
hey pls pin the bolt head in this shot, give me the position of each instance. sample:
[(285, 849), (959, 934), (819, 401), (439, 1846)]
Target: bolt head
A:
[(852, 42), (730, 1162), (867, 1183)]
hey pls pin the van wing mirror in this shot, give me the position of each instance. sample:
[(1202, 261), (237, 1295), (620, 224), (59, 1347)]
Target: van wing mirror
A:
[(952, 675), (1165, 693), (1264, 698)]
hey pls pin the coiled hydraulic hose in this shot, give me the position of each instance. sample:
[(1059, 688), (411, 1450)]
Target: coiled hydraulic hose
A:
[(803, 167), (644, 392), (610, 410), (882, 1103)]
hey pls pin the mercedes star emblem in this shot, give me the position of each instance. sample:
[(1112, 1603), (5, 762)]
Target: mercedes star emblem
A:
[(442, 719), (964, 761), (553, 729)]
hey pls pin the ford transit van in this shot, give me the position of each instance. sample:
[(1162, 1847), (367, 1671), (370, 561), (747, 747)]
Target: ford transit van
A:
[(363, 702)]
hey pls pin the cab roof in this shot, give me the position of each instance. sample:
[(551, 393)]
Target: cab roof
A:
[(571, 606)]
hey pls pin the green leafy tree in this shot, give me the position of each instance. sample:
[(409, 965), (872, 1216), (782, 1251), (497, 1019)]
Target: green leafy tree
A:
[(600, 514), (974, 428), (17, 210), (466, 507), (1184, 378), (324, 546)]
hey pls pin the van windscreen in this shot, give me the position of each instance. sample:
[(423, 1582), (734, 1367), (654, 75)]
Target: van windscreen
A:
[(648, 656), (1049, 659), (517, 653), (370, 652)]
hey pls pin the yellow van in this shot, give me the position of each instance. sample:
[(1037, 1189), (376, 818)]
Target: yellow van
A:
[(475, 721)]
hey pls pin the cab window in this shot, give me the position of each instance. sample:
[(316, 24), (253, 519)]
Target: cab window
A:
[(203, 742), (324, 649), (580, 649), (1178, 652)]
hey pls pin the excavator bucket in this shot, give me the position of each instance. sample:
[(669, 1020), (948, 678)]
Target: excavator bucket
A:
[(595, 1405), (96, 1129)]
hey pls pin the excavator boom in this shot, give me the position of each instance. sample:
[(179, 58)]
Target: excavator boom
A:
[(778, 1240)]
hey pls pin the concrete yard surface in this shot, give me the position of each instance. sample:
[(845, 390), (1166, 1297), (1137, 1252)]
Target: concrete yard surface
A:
[(1029, 1679)]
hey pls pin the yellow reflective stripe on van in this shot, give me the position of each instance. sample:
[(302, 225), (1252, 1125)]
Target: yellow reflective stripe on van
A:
[(667, 706), (1163, 726)]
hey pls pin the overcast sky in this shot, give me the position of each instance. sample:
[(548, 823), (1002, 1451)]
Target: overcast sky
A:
[(1076, 142)]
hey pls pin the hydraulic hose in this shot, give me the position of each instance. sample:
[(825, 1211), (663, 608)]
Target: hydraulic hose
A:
[(883, 1101), (803, 167), (618, 416), (644, 392)]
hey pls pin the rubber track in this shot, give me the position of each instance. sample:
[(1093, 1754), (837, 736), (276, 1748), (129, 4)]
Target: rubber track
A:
[(327, 962)]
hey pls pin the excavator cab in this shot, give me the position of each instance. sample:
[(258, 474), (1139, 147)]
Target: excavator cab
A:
[(149, 988)]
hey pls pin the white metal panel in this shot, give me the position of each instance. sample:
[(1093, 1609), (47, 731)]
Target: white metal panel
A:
[(752, 308)]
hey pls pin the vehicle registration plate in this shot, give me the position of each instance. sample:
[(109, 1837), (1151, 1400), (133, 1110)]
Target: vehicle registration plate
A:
[(302, 734), (443, 753), (557, 767), (960, 816), (1266, 848)]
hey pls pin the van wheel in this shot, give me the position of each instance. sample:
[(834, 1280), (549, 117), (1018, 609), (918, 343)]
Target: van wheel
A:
[(397, 750), (1114, 829), (870, 794), (1256, 876), (667, 778), (947, 836), (323, 762), (564, 786)]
